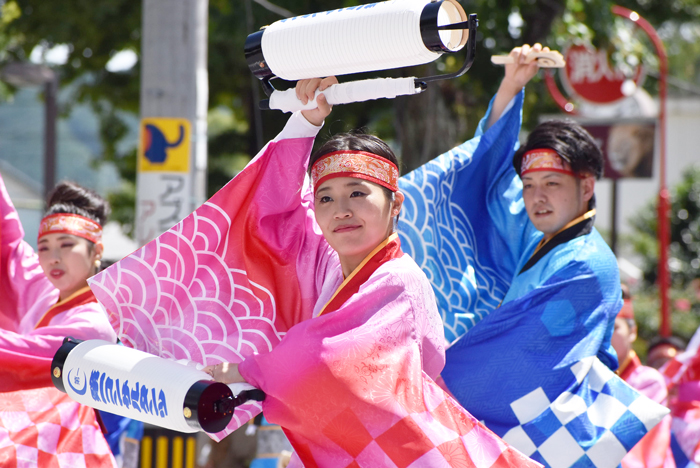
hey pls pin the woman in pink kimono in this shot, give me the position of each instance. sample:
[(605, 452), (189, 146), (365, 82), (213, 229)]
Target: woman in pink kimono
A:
[(45, 298), (354, 386)]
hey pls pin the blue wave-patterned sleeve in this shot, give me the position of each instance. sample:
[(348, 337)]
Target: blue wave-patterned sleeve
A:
[(464, 222)]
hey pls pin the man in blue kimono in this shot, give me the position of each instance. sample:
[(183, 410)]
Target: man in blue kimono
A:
[(527, 287)]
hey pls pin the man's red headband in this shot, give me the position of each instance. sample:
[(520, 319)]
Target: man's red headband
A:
[(357, 164), (71, 224), (544, 159)]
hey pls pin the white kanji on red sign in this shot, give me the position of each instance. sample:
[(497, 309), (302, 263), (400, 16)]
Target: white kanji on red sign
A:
[(591, 67), (589, 76)]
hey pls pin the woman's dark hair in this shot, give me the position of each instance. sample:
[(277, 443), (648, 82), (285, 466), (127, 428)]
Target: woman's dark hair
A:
[(355, 141), (571, 141), (69, 197)]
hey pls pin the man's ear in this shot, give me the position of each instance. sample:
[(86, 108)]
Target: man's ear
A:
[(587, 188)]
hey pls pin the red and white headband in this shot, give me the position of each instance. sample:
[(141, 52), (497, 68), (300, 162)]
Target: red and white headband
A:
[(71, 224), (357, 164), (544, 159)]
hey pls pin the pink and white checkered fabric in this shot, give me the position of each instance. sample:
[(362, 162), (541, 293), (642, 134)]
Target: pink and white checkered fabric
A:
[(44, 428)]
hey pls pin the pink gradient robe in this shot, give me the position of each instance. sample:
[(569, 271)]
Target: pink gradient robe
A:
[(244, 279), (654, 450), (363, 392), (39, 425)]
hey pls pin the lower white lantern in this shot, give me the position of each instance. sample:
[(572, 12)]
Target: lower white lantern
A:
[(141, 386)]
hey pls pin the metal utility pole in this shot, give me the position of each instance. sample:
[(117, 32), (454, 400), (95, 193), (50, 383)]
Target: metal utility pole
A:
[(50, 117), (172, 164)]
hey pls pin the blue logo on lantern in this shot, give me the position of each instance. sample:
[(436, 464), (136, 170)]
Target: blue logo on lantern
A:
[(77, 380)]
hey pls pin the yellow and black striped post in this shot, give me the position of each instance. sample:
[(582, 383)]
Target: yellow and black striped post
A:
[(163, 448)]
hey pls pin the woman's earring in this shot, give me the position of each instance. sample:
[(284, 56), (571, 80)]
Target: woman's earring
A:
[(98, 263)]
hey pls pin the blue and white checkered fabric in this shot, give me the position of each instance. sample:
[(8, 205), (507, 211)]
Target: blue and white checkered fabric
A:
[(593, 426)]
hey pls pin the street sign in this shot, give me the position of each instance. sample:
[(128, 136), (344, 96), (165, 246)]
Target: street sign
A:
[(163, 180), (589, 76)]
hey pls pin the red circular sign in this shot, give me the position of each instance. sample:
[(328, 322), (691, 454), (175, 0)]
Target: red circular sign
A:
[(588, 75)]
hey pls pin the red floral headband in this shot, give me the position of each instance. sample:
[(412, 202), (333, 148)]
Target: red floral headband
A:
[(357, 164), (71, 224), (544, 159)]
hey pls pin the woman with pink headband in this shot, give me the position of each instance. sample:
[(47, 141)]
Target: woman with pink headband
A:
[(354, 385), (45, 298)]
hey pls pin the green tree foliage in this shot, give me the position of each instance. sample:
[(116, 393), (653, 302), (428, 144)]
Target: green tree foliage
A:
[(684, 260), (685, 312), (419, 127), (684, 254)]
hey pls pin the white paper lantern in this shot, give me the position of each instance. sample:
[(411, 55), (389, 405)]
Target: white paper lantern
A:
[(378, 36)]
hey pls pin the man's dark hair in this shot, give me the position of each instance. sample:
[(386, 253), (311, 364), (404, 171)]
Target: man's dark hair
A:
[(571, 141)]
